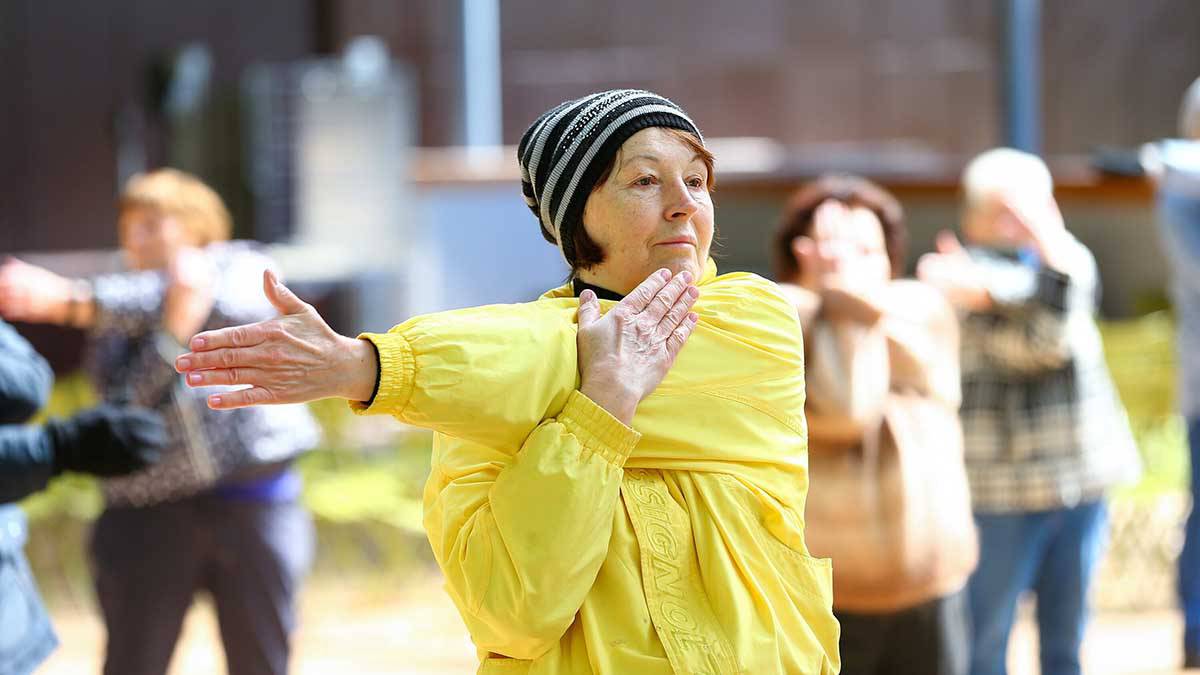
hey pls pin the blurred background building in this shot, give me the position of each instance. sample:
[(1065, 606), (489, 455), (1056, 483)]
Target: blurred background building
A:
[(308, 140)]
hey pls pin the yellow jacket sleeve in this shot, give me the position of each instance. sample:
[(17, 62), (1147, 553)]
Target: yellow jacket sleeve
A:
[(521, 537), (484, 374)]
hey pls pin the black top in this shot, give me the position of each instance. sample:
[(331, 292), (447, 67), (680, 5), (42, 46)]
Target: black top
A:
[(580, 286)]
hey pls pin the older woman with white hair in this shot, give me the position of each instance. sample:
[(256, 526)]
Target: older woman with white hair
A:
[(1045, 435), (619, 467)]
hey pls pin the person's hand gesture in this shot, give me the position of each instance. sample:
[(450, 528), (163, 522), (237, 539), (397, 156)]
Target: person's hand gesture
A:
[(107, 440), (189, 297), (33, 294), (294, 358), (952, 271), (1042, 224), (625, 354)]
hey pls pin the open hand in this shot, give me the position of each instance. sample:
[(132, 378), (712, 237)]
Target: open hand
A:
[(952, 271), (294, 358), (625, 354)]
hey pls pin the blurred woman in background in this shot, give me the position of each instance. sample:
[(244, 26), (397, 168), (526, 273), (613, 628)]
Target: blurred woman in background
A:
[(221, 511), (881, 363)]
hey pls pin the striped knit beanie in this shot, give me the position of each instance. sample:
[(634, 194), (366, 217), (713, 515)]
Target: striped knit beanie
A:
[(564, 151)]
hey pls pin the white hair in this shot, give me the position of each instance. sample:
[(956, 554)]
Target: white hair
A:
[(1189, 112), (1004, 171)]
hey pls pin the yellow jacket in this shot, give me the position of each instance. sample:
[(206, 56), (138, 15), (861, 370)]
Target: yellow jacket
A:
[(574, 544)]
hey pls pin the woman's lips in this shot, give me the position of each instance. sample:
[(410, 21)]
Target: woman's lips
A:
[(676, 242)]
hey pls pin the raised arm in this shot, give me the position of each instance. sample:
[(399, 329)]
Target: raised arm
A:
[(436, 371)]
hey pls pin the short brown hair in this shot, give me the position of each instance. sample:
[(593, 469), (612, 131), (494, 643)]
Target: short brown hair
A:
[(852, 191), (587, 253), (183, 196)]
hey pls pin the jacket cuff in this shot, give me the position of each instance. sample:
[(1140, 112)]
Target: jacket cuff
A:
[(1052, 289), (397, 375), (597, 430)]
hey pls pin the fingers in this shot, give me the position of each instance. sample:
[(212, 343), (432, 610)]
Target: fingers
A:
[(947, 243), (225, 377), (927, 267), (224, 357), (679, 311), (680, 335), (249, 335), (589, 308), (281, 296), (665, 299), (828, 218), (645, 292), (229, 400)]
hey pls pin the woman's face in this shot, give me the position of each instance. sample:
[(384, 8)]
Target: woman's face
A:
[(849, 244), (653, 211), (151, 238)]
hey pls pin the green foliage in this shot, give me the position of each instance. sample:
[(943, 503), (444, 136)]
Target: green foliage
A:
[(345, 484), (1141, 356)]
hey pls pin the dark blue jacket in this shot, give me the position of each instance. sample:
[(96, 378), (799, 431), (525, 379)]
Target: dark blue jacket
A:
[(26, 464)]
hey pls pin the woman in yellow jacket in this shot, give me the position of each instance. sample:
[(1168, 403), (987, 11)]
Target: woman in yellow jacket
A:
[(602, 500)]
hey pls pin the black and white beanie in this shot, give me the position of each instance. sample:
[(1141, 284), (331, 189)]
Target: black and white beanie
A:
[(564, 151)]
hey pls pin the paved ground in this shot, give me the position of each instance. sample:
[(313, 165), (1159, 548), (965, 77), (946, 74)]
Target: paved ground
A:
[(367, 629)]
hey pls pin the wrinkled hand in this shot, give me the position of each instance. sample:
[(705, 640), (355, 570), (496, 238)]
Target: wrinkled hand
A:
[(952, 271), (189, 297), (33, 294), (1042, 222), (107, 440), (294, 358), (625, 354)]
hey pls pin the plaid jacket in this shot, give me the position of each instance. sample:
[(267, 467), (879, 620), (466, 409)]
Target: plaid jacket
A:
[(1043, 427)]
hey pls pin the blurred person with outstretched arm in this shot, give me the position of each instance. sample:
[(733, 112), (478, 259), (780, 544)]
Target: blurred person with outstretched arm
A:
[(1045, 434), (891, 506), (221, 512)]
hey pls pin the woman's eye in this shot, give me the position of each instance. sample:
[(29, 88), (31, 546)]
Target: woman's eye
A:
[(644, 180), (696, 182)]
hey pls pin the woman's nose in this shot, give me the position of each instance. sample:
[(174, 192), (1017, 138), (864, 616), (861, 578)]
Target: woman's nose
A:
[(684, 205)]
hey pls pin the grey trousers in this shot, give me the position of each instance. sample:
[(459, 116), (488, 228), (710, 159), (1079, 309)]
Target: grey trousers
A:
[(149, 562)]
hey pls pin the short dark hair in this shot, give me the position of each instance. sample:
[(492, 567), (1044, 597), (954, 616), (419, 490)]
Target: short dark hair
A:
[(852, 191), (585, 251)]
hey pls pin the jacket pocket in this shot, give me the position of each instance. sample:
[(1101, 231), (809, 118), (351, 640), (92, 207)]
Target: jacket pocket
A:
[(812, 631), (796, 587), (498, 665), (808, 575)]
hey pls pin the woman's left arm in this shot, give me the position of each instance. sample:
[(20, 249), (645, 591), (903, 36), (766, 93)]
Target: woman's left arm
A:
[(521, 536)]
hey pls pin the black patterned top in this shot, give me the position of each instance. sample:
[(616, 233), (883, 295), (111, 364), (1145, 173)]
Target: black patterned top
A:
[(131, 360)]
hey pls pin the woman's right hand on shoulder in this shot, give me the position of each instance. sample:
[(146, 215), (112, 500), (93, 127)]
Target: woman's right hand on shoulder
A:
[(625, 353)]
